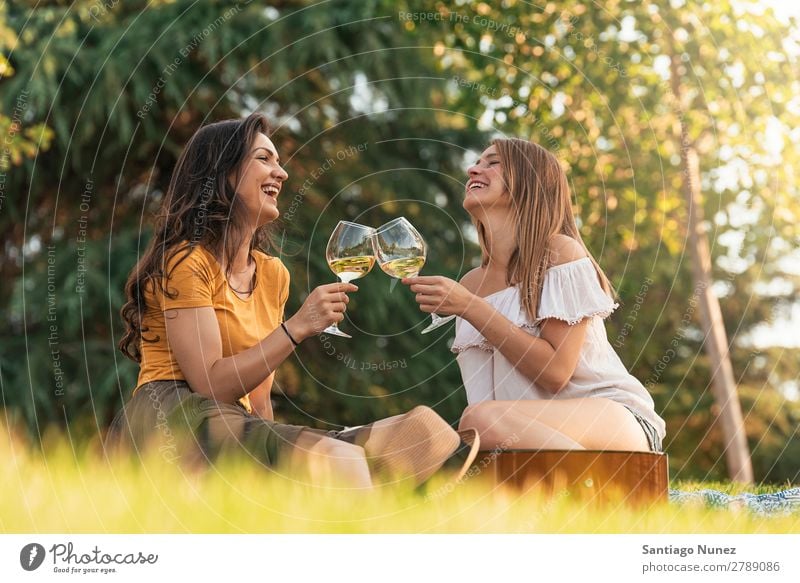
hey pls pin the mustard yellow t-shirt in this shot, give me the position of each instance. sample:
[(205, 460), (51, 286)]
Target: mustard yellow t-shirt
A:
[(199, 282)]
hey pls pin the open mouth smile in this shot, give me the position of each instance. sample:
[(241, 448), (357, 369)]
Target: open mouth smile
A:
[(271, 190), (476, 185)]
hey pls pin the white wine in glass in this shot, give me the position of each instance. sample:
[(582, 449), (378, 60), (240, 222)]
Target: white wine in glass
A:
[(351, 268), (350, 255), (401, 252), (405, 267)]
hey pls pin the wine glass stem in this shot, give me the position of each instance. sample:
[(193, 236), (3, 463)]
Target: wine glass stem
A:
[(436, 322), (334, 328)]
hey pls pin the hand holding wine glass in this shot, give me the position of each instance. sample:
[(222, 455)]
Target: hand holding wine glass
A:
[(436, 293), (401, 252), (325, 304), (350, 255)]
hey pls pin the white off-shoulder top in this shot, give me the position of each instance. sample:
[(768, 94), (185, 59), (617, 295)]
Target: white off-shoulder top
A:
[(570, 292)]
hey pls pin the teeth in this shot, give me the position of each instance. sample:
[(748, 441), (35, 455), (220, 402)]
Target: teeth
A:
[(473, 185), (270, 190)]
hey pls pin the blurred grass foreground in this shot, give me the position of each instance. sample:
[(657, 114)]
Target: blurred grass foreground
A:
[(69, 486)]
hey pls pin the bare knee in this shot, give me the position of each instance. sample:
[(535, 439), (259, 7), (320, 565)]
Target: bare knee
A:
[(480, 416), (488, 419), (472, 417)]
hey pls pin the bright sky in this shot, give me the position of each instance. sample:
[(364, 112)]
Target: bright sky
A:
[(784, 7)]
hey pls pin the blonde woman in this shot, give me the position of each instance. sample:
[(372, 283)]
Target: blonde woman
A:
[(530, 341)]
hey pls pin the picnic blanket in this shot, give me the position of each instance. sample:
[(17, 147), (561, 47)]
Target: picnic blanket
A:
[(783, 502)]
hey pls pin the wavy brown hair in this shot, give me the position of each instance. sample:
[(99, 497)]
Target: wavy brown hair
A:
[(200, 208), (542, 206)]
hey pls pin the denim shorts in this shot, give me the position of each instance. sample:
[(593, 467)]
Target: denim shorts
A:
[(653, 439)]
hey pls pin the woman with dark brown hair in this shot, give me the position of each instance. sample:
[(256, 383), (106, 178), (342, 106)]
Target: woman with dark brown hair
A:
[(530, 342), (204, 321)]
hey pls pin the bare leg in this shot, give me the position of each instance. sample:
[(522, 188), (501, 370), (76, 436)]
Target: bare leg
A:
[(592, 423), (328, 461)]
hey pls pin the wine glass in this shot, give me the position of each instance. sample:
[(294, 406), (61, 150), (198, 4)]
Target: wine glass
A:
[(400, 251), (350, 255)]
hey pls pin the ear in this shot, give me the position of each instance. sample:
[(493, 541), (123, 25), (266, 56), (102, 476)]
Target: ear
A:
[(233, 179)]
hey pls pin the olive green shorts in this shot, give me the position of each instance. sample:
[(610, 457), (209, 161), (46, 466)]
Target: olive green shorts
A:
[(184, 425)]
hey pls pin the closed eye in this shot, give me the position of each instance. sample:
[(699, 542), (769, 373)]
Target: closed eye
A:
[(492, 162), (267, 159), (267, 155)]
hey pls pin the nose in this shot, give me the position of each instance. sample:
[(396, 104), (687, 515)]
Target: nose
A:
[(473, 170), (280, 173)]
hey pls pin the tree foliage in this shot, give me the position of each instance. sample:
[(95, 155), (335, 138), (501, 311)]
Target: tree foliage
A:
[(376, 108)]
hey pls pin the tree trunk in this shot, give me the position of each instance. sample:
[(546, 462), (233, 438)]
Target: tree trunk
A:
[(723, 383)]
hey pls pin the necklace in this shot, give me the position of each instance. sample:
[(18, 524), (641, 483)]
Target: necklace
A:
[(238, 291), (252, 284)]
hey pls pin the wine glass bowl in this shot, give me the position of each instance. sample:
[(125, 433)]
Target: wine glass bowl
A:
[(350, 255), (399, 248), (401, 252)]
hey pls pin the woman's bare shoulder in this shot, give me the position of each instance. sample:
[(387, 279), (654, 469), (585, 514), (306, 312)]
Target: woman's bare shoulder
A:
[(563, 249), (472, 279)]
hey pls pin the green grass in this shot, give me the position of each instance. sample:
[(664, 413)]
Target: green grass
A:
[(58, 487)]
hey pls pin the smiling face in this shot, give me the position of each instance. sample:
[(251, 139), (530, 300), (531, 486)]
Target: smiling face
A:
[(486, 187), (260, 180)]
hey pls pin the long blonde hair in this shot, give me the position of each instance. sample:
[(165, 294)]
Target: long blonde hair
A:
[(542, 207)]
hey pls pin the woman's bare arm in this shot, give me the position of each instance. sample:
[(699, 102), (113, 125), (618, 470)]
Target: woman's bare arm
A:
[(194, 338), (260, 399), (548, 360)]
